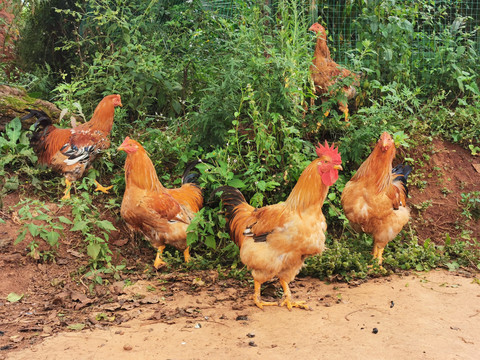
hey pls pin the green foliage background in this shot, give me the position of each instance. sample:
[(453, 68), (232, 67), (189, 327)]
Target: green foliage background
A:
[(231, 90)]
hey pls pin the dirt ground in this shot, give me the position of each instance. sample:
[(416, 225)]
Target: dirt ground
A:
[(186, 314), (433, 315)]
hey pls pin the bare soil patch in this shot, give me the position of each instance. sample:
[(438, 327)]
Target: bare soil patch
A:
[(420, 316), (436, 204)]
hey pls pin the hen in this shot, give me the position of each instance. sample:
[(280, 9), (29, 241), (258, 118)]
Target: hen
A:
[(161, 215), (374, 200), (325, 72), (275, 240), (72, 151)]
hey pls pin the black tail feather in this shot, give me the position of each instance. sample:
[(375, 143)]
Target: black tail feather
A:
[(40, 127), (402, 171), (42, 117), (188, 176), (230, 196)]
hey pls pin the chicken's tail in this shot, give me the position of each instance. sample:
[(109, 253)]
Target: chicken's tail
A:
[(237, 210), (188, 176), (401, 173), (400, 176), (42, 127)]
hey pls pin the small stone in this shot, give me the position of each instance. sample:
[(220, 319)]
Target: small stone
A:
[(16, 338), (375, 330), (127, 347), (392, 304), (198, 326), (252, 343), (251, 335), (241, 318)]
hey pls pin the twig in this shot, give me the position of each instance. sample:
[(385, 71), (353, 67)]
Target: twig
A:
[(355, 311), (478, 312)]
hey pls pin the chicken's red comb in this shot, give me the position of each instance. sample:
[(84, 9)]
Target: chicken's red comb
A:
[(332, 151), (126, 141)]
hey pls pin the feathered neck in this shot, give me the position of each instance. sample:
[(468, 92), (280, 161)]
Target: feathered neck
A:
[(309, 190), (102, 118), (140, 172), (378, 167), (321, 48)]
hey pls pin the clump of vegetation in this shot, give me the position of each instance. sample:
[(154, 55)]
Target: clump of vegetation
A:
[(231, 91)]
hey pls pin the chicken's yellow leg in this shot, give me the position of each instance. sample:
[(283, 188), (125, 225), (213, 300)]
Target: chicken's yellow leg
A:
[(256, 296), (288, 298), (186, 254), (158, 260), (102, 188), (378, 253), (346, 114), (66, 194)]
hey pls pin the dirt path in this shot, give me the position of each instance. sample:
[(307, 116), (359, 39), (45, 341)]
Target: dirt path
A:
[(433, 315)]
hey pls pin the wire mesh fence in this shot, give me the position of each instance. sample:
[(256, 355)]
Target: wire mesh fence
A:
[(340, 17)]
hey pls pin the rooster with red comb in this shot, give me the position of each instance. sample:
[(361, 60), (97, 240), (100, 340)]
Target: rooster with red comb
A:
[(275, 240)]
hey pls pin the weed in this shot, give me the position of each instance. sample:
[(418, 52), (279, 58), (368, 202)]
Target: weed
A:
[(471, 205), (37, 220)]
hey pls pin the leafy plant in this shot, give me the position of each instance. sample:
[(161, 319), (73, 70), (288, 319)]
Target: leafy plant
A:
[(86, 219), (38, 221), (471, 205)]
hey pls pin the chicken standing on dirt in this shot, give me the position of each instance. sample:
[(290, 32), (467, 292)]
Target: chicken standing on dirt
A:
[(161, 215), (374, 200), (325, 72), (72, 151), (275, 240)]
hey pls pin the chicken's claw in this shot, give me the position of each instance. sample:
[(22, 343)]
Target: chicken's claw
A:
[(158, 260), (102, 188), (261, 304), (256, 296), (159, 263), (287, 301), (298, 304)]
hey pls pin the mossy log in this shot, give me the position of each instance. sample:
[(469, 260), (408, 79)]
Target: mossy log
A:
[(14, 101)]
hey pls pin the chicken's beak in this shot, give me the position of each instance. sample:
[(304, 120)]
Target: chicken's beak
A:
[(120, 148), (338, 167)]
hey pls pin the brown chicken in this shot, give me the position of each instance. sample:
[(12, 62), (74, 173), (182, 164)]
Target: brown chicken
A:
[(72, 151), (374, 200), (325, 72), (275, 240), (161, 215)]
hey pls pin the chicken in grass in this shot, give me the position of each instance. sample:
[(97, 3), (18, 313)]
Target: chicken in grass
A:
[(325, 72), (162, 215), (374, 200), (72, 151), (275, 240)]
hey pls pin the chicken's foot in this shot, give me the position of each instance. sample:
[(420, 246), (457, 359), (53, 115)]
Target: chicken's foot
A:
[(186, 254), (102, 188), (287, 301), (158, 260), (256, 296), (66, 193)]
